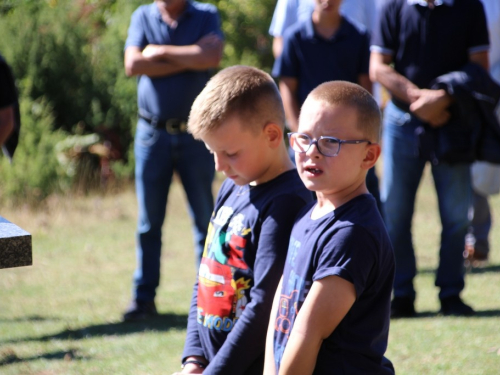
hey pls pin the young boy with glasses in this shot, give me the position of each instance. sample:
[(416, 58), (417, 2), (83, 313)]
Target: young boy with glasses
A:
[(240, 118), (331, 311)]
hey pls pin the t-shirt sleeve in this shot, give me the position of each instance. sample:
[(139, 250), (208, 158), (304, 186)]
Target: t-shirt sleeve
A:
[(192, 346), (284, 15), (245, 344), (349, 253), (136, 32), (385, 34), (287, 64), (364, 61), (479, 38), (213, 23)]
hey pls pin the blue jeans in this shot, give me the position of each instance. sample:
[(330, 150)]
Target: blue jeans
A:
[(481, 222), (157, 155), (402, 172)]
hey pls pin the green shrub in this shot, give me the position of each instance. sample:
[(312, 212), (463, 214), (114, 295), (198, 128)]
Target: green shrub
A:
[(35, 172), (67, 57)]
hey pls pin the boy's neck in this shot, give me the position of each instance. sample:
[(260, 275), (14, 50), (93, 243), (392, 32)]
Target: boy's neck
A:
[(326, 23), (327, 202), (280, 165)]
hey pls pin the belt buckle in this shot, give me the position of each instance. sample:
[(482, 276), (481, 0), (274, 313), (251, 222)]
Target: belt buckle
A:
[(175, 126)]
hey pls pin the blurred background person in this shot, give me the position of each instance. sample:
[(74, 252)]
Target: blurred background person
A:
[(10, 119), (414, 43), (171, 47)]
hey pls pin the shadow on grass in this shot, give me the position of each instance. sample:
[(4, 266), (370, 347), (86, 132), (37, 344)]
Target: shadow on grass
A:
[(161, 323), (32, 318), (436, 314), (474, 270), (9, 357)]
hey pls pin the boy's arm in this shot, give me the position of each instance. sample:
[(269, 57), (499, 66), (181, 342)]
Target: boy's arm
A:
[(192, 347), (269, 365), (328, 301), (288, 89)]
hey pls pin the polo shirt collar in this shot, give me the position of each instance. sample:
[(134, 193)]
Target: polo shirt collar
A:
[(343, 29), (189, 9), (436, 2)]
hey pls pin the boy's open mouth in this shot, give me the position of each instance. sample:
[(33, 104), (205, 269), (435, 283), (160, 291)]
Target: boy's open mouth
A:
[(313, 170)]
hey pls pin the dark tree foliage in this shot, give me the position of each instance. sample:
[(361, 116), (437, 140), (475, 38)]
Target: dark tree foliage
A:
[(69, 55)]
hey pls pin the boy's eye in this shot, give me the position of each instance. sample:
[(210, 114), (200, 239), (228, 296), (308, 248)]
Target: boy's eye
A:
[(331, 141), (231, 155)]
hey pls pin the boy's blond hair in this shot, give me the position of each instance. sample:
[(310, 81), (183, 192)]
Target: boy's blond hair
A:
[(239, 90), (356, 97)]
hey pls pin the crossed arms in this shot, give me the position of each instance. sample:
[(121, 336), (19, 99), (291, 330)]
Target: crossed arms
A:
[(164, 60), (430, 106)]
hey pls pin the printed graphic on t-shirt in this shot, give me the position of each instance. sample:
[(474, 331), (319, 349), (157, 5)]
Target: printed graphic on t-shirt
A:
[(293, 293), (221, 298)]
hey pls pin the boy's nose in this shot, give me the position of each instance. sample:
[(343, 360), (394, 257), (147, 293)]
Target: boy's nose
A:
[(313, 150), (219, 164)]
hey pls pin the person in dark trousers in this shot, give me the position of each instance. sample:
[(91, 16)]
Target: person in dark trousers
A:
[(416, 42), (171, 47)]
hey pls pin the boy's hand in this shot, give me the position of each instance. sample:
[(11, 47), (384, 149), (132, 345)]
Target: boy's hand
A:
[(192, 368)]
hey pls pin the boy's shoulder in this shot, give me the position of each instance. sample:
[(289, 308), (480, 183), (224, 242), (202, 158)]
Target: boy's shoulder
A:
[(286, 186), (361, 210)]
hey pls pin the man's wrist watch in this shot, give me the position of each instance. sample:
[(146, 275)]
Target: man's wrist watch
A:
[(195, 361)]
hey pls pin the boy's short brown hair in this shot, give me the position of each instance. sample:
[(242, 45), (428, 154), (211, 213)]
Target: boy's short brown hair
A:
[(239, 90), (353, 95)]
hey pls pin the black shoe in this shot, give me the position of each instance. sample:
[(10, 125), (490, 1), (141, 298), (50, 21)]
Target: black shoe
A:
[(140, 310), (454, 306), (402, 307)]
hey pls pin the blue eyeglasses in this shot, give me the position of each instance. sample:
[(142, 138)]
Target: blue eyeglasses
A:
[(327, 146)]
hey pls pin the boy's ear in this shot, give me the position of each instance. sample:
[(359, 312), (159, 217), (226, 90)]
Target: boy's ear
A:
[(372, 154), (274, 134)]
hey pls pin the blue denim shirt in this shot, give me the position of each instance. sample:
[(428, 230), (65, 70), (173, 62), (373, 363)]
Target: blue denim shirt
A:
[(171, 96)]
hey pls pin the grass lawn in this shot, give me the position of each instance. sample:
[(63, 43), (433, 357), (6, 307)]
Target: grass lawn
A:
[(62, 315)]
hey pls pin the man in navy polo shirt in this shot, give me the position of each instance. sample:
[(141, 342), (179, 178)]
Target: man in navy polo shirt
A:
[(171, 47), (424, 39)]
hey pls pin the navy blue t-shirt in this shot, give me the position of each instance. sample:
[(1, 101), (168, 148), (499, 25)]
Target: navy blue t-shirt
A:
[(240, 270), (351, 242), (313, 60), (426, 43), (171, 96)]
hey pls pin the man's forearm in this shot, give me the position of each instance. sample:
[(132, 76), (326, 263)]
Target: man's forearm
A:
[(190, 57), (203, 55), (136, 64), (290, 103), (395, 83)]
